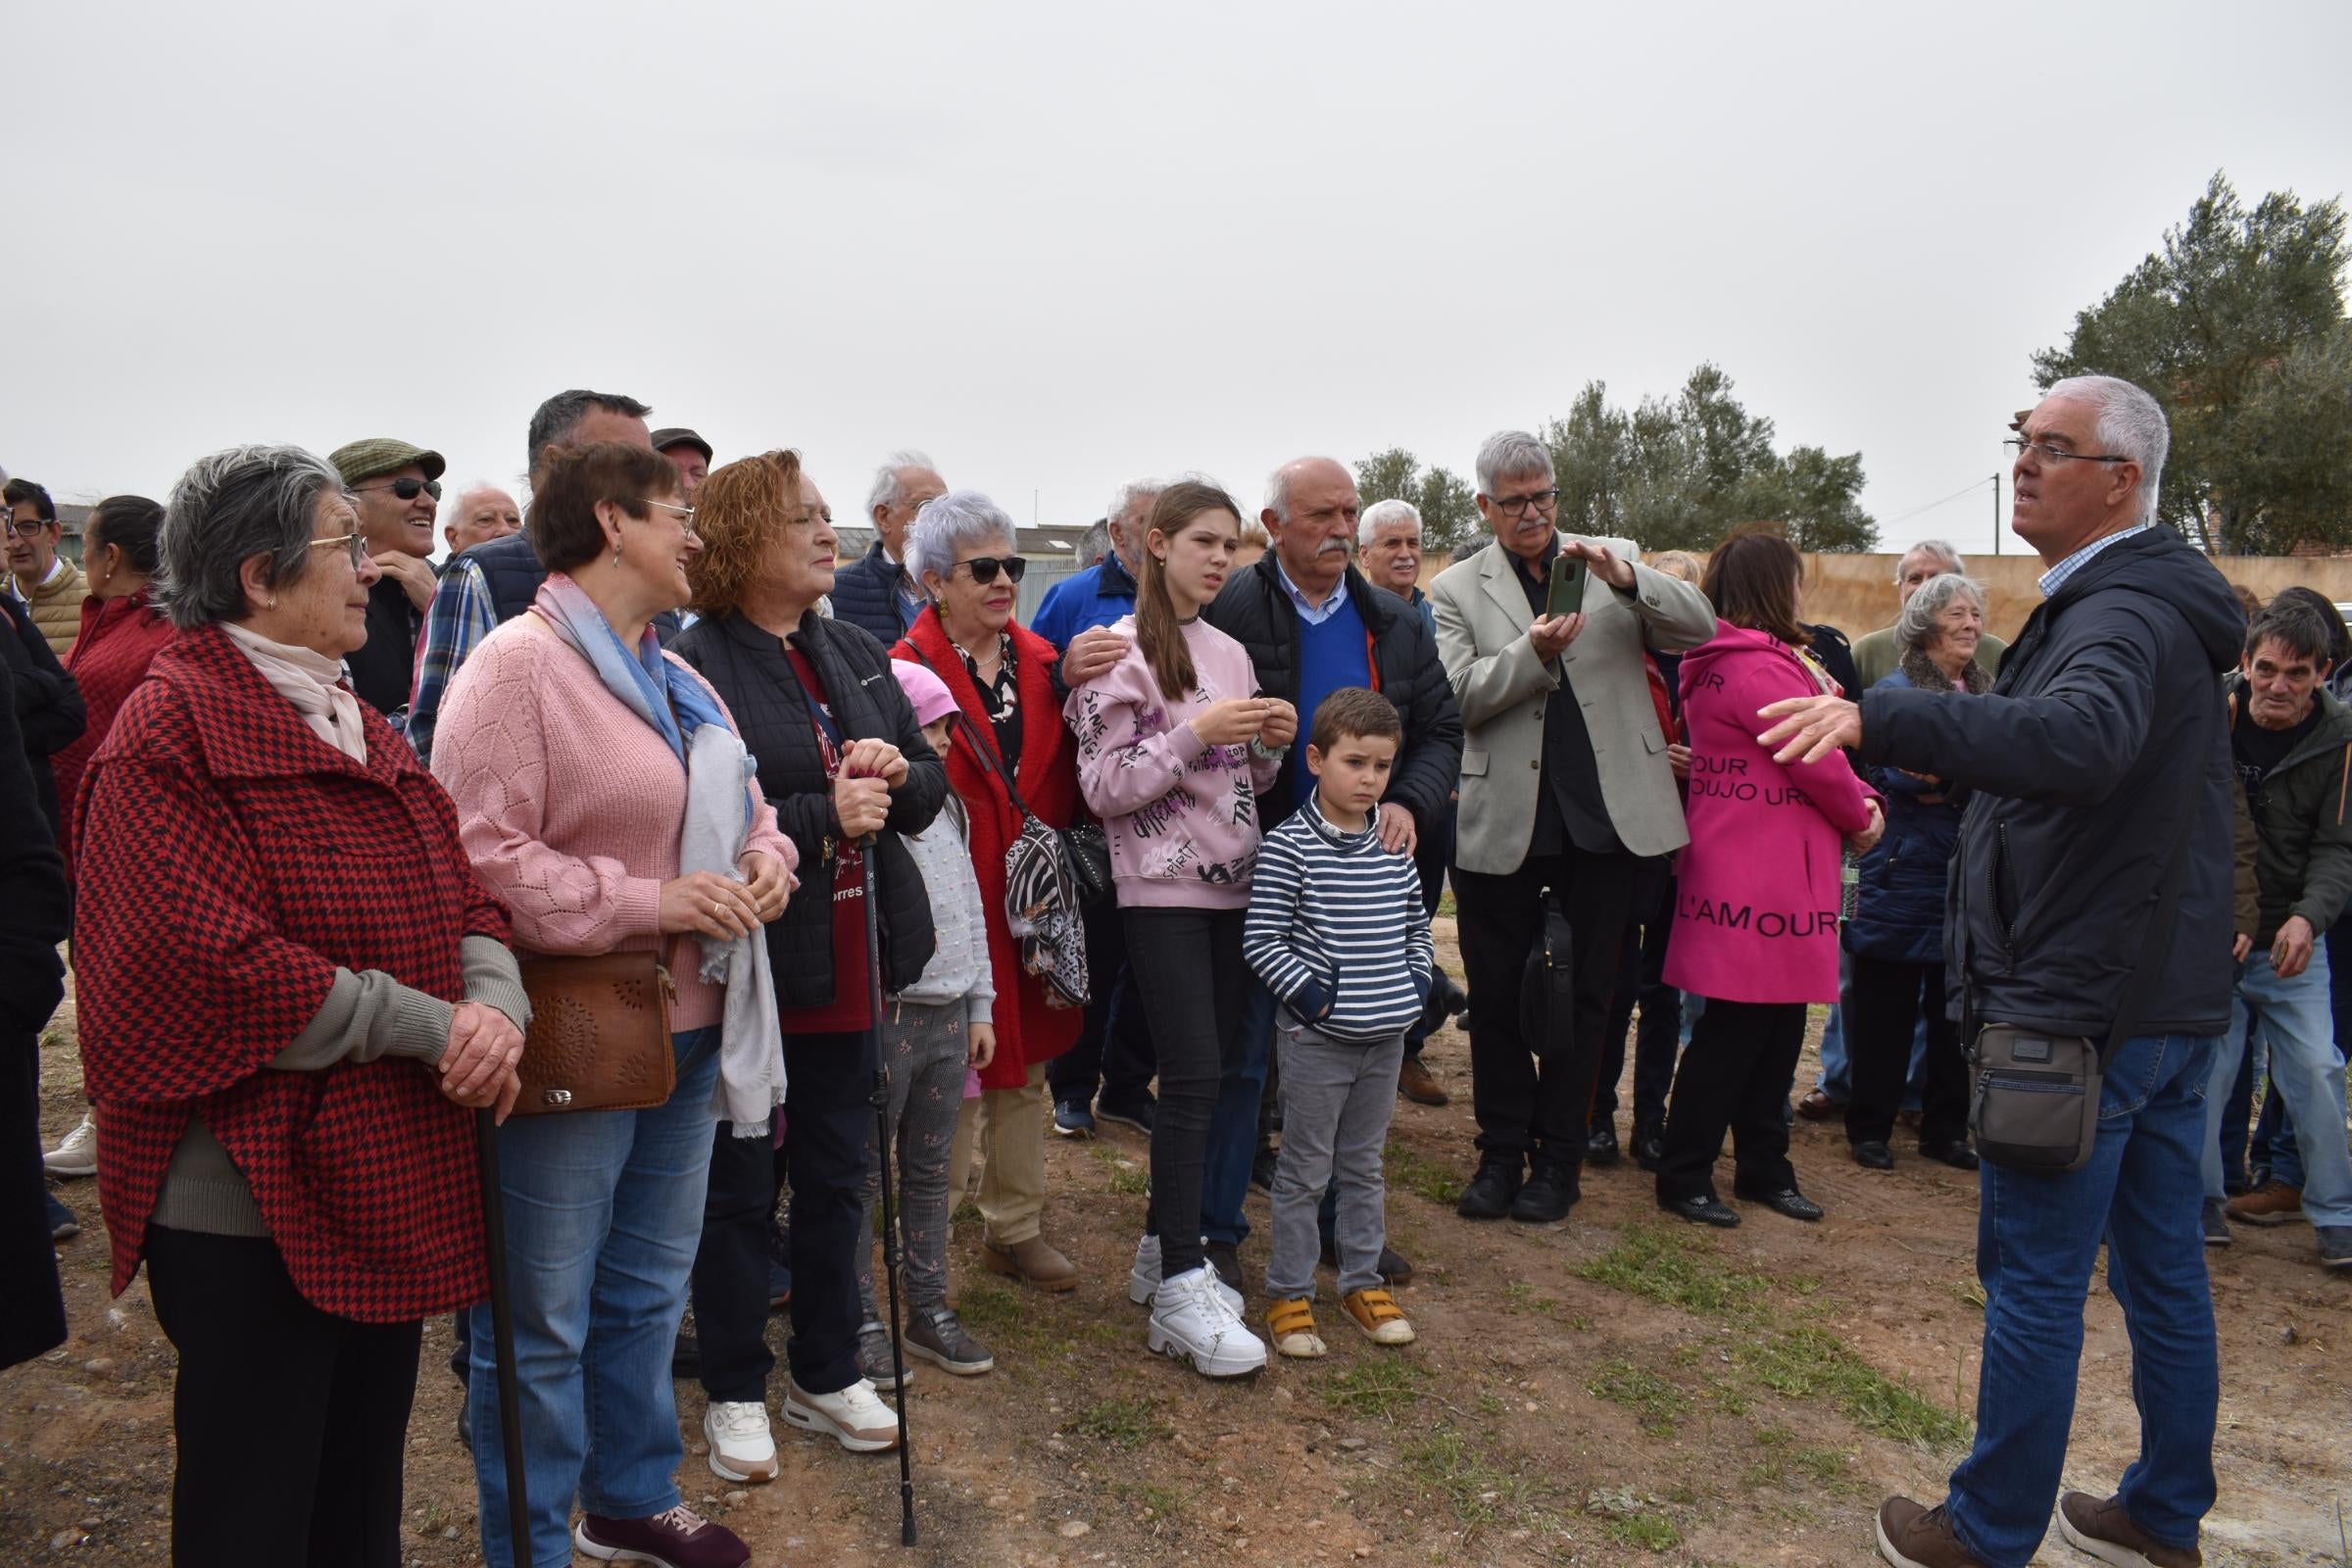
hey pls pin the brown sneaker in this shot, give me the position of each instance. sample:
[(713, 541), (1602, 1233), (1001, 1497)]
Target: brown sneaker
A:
[(2108, 1534), (2270, 1203), (1911, 1536), (1034, 1261), (1417, 1084)]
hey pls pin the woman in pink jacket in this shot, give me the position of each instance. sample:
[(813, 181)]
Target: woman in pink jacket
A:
[(1755, 918)]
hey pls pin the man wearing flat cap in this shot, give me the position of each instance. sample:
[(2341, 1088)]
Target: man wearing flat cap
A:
[(689, 452), (396, 488)]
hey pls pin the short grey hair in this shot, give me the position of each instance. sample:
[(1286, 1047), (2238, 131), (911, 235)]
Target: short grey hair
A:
[(1507, 452), (887, 491), (1094, 544), (2130, 424), (1915, 628), (951, 523), (1939, 549), (1380, 513), (227, 509), (556, 419), (466, 492), (1128, 494)]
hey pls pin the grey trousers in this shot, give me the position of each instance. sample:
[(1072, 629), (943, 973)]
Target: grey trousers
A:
[(1337, 1098), (923, 1047)]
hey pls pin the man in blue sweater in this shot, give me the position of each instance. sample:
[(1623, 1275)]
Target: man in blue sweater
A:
[(1114, 1051)]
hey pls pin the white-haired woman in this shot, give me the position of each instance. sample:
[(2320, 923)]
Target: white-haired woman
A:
[(1894, 943), (965, 552)]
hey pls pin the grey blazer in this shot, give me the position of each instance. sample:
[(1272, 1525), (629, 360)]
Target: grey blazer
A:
[(1500, 687)]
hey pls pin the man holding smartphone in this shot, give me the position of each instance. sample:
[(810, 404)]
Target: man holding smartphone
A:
[(1565, 790)]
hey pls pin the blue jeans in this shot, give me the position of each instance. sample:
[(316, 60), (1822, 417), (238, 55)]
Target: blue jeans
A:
[(1233, 1125), (2306, 1069), (604, 1210), (2036, 1238)]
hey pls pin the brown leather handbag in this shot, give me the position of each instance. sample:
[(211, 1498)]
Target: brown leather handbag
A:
[(600, 1034)]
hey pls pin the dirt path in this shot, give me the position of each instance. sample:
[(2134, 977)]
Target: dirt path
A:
[(1618, 1388)]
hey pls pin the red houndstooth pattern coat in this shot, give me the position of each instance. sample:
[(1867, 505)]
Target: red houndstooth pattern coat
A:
[(230, 861)]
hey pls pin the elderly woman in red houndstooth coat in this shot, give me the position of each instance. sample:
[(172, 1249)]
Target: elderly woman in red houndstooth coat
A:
[(292, 989)]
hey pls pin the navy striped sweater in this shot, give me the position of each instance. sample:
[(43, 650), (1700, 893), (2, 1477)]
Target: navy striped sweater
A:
[(1336, 928)]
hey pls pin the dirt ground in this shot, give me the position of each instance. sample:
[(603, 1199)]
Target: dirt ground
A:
[(1616, 1389)]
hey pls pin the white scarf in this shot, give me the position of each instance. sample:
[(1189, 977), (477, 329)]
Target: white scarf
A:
[(313, 683)]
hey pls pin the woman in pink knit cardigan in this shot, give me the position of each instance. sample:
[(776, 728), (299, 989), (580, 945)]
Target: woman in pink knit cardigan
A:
[(575, 751)]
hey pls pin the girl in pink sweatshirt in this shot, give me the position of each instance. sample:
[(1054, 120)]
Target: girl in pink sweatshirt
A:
[(1173, 747)]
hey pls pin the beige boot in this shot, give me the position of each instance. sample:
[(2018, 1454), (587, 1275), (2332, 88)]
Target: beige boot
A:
[(1034, 1261)]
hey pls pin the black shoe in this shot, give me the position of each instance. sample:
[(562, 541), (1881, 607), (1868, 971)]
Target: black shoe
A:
[(2215, 1223), (1549, 1192), (1955, 1153), (1138, 1115), (1394, 1270), (1650, 1147), (1226, 1258), (1261, 1170), (1489, 1193), (1874, 1155), (686, 1358), (1783, 1201), (1600, 1146), (1704, 1210)]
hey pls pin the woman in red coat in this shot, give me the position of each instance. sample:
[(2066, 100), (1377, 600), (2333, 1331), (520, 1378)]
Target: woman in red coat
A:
[(961, 549), (121, 630), (293, 991)]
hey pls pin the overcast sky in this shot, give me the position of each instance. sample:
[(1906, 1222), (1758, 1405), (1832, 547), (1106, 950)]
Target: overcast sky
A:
[(1057, 245)]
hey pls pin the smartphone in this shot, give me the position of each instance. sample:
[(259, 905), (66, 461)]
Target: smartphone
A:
[(1567, 585)]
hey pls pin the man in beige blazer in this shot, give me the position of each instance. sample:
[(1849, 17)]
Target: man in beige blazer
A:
[(1565, 786)]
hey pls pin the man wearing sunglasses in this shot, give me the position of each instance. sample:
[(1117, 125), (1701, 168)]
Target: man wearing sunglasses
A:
[(396, 488)]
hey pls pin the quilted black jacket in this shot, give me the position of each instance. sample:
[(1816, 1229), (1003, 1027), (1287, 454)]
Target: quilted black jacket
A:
[(752, 672)]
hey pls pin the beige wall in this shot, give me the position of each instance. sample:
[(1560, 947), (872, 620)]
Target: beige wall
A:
[(1856, 593)]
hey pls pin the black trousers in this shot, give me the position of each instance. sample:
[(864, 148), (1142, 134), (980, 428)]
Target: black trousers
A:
[(1887, 1000), (1525, 1106), (1734, 1077), (1113, 1049), (828, 1120), (1641, 978), (32, 1312), (318, 1478), (1432, 851), (1188, 966)]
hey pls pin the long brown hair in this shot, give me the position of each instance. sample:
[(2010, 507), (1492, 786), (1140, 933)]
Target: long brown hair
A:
[(1751, 579), (1158, 632)]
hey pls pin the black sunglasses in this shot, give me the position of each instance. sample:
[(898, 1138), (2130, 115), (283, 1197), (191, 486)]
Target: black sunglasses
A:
[(986, 568), (408, 487)]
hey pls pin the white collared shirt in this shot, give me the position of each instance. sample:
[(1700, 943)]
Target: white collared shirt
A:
[(2055, 578), (1312, 613)]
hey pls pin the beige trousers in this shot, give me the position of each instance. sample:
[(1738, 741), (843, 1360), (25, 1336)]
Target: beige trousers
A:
[(1009, 1130)]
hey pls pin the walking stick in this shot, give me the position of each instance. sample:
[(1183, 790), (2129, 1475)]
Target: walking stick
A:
[(502, 1333), (880, 1095)]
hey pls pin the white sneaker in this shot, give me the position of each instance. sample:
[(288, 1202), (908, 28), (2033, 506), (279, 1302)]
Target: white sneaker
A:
[(77, 1156), (1144, 1278), (1192, 1322), (855, 1417), (741, 1446)]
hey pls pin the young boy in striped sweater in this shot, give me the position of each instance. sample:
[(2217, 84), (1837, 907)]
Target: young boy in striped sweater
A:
[(1337, 932)]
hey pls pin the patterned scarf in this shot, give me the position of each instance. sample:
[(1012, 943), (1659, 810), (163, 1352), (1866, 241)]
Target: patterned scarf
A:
[(639, 676)]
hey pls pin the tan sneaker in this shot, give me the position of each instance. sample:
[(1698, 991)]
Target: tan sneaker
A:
[(2107, 1533), (2272, 1203), (1291, 1325), (1914, 1536), (1034, 1261), (1376, 1312)]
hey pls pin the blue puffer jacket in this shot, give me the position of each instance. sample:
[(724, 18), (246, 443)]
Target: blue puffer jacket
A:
[(1899, 917)]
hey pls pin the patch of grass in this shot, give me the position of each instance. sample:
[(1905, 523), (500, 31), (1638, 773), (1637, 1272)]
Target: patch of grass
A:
[(1660, 1404), (1520, 1296), (1670, 1267), (966, 1213), (1126, 1424), (1384, 1388), (1972, 1293), (1424, 1178), (988, 1308), (433, 1518), (1445, 905), (1809, 1364), (1152, 1501), (1822, 1464), (1480, 1492), (1650, 1531), (1126, 1176)]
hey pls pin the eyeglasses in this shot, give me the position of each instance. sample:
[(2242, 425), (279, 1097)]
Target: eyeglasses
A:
[(408, 487), (986, 568), (2056, 455), (1516, 506), (25, 530), (684, 511), (354, 545)]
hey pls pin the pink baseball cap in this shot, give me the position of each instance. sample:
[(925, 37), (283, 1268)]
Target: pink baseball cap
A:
[(927, 692)]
